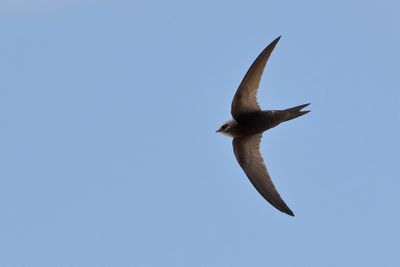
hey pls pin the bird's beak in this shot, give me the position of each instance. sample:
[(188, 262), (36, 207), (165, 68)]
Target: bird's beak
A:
[(217, 131)]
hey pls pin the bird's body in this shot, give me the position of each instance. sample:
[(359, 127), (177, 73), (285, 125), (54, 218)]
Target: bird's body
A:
[(258, 122), (253, 123), (250, 122)]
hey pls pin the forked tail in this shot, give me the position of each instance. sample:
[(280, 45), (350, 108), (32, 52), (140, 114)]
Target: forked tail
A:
[(292, 113)]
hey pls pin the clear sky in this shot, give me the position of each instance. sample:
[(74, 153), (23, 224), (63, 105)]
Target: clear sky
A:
[(108, 150)]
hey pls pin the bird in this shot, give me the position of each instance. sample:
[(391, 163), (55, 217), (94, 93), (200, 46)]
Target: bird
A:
[(248, 125)]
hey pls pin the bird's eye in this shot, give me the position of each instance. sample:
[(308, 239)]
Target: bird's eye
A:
[(224, 126)]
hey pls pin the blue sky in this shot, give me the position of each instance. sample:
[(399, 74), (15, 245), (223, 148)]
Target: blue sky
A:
[(108, 150)]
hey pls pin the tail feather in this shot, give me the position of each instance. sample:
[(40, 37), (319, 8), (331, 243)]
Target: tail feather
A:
[(292, 113)]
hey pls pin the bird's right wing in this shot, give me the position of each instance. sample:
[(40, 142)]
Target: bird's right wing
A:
[(245, 99), (247, 152)]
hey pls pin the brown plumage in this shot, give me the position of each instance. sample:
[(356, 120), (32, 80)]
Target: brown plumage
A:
[(248, 124)]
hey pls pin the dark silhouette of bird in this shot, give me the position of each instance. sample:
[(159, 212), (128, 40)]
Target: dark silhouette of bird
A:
[(248, 124)]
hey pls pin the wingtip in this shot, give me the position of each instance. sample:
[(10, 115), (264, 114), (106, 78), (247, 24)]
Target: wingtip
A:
[(277, 39), (288, 212), (284, 208), (271, 46)]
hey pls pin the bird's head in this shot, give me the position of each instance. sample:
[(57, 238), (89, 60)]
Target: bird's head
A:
[(227, 128)]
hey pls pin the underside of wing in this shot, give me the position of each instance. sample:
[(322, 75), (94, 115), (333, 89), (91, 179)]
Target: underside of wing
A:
[(247, 152), (245, 99)]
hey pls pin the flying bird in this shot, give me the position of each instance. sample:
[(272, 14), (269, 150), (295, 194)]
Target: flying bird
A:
[(250, 122)]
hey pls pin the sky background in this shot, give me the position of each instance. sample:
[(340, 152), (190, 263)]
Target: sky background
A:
[(108, 150)]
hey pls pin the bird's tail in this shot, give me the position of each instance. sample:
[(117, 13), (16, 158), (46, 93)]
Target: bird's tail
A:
[(292, 113)]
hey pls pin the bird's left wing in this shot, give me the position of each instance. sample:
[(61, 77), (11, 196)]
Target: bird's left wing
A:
[(245, 99), (247, 152)]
